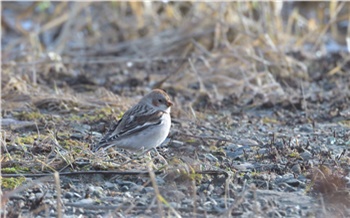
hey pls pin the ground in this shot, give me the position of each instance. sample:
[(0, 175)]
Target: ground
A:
[(260, 125)]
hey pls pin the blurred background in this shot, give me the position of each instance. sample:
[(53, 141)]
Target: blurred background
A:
[(261, 92), (234, 48)]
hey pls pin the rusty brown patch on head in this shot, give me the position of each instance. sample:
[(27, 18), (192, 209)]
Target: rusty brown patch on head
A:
[(161, 97)]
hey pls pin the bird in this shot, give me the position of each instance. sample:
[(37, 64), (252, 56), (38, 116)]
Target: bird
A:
[(143, 127)]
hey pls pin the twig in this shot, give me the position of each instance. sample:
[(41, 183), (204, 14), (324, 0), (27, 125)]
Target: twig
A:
[(239, 200), (126, 173), (152, 176), (333, 18), (194, 196), (122, 173), (203, 212), (227, 190), (200, 81), (104, 60), (60, 43), (172, 74), (58, 191), (55, 22)]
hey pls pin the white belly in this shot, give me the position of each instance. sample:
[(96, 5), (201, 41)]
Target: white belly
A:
[(148, 138)]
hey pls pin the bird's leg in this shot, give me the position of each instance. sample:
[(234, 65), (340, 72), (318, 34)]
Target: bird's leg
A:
[(134, 158), (160, 156)]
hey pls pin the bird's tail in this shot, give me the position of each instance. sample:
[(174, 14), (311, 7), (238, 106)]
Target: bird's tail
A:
[(97, 146)]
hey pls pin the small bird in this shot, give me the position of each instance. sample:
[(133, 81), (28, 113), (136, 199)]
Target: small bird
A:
[(143, 127)]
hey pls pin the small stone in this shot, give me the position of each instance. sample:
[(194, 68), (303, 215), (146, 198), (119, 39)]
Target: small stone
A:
[(332, 140), (148, 190), (233, 147), (175, 195), (95, 191), (306, 128), (31, 197), (160, 181), (123, 182), (124, 188), (236, 154), (306, 155), (274, 213), (210, 189), (109, 185), (248, 142), (176, 144), (69, 195), (128, 195), (85, 201), (293, 182), (136, 188), (279, 145), (211, 157), (142, 202), (188, 201), (37, 190), (263, 151), (296, 169), (175, 205)]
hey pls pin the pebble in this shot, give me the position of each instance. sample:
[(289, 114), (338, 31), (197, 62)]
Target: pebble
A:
[(95, 191), (306, 128), (85, 201), (248, 142), (279, 145), (176, 144), (232, 147), (263, 151), (188, 201), (211, 157), (274, 213), (160, 181), (293, 182), (136, 188), (37, 190), (175, 195), (175, 205), (123, 182), (142, 202), (306, 155), (148, 190), (236, 154), (296, 169), (68, 195), (124, 188), (39, 195)]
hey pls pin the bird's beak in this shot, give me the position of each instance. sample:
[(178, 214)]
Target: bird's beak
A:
[(169, 103)]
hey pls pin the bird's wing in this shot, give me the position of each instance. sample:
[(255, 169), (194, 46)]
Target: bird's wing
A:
[(110, 132), (134, 120)]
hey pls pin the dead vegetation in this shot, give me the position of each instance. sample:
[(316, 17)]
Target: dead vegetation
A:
[(261, 93)]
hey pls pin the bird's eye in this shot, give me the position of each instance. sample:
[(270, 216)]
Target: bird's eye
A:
[(160, 100)]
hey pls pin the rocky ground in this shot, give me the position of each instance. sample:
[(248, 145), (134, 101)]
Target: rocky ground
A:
[(260, 126)]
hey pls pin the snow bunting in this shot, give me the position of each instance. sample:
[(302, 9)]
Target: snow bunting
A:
[(143, 127)]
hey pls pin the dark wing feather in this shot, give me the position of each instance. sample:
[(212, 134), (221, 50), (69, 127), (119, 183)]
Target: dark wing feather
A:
[(134, 120), (110, 131)]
